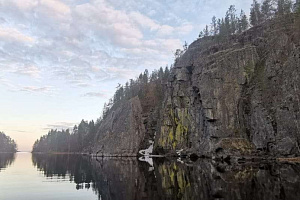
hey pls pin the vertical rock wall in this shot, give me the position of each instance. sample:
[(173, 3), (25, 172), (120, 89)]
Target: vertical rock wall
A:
[(244, 90)]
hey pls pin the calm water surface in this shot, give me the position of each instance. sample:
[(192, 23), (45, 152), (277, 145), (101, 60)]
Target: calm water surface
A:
[(64, 177)]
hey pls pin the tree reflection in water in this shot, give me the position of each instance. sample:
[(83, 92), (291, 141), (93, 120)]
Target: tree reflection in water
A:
[(6, 159), (127, 178)]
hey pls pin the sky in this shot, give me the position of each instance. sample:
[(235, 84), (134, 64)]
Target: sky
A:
[(61, 60)]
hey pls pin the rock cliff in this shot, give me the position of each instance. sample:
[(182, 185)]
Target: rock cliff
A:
[(234, 96), (123, 131)]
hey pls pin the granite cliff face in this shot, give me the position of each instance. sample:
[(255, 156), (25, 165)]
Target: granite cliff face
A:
[(235, 96)]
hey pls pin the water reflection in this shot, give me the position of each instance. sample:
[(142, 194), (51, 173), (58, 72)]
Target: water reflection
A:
[(6, 159), (124, 178)]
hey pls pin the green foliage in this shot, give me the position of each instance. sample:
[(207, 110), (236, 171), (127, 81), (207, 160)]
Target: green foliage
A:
[(7, 144)]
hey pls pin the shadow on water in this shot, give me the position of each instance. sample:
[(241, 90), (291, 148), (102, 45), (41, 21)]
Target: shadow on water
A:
[(6, 159), (128, 178)]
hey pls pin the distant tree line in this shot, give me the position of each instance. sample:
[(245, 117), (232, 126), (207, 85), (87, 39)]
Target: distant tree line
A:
[(148, 87), (65, 141), (259, 12), (7, 144)]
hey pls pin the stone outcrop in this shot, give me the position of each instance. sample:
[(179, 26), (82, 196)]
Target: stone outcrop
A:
[(236, 96)]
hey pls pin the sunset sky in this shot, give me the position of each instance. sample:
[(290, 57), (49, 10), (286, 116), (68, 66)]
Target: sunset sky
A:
[(60, 60)]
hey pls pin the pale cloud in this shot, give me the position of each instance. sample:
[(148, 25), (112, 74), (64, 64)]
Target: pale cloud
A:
[(82, 42), (56, 7), (25, 4), (61, 125), (6, 83), (29, 70), (35, 89), (12, 34), (185, 29), (95, 94), (144, 21)]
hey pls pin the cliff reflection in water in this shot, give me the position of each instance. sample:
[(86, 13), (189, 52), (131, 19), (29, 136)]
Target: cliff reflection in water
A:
[(6, 159), (125, 178)]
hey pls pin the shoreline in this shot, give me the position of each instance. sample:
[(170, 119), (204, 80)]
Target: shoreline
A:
[(238, 159)]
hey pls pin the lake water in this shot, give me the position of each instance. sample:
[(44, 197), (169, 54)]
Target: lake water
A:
[(24, 176)]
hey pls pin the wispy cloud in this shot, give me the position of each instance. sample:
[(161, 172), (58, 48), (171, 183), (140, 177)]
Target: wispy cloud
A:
[(12, 34), (69, 40), (60, 125), (45, 89), (28, 70), (95, 94)]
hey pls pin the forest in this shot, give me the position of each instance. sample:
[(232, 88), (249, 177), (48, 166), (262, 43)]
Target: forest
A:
[(150, 88), (7, 145)]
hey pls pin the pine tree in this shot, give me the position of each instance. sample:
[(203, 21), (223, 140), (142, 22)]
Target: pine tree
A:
[(226, 25), (222, 28), (255, 14), (297, 6), (284, 7), (206, 31), (243, 22), (266, 9), (214, 29), (185, 46), (231, 20), (201, 34), (288, 5), (219, 24), (280, 7)]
